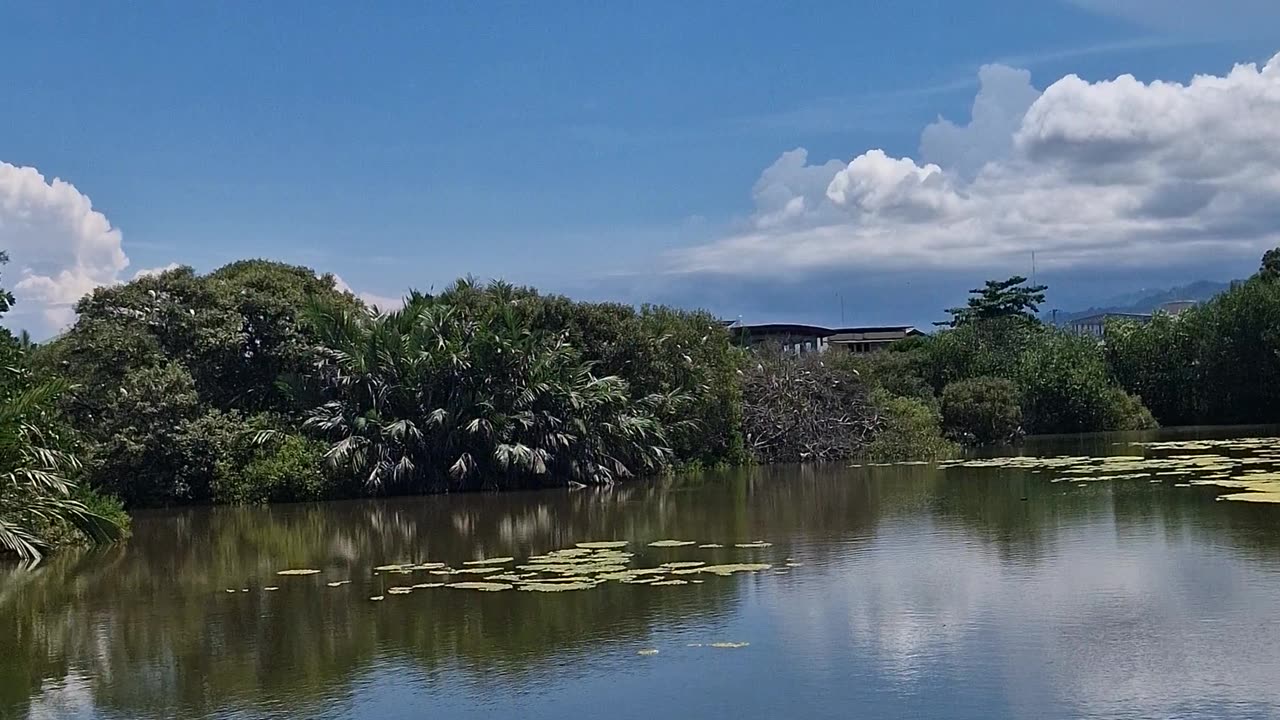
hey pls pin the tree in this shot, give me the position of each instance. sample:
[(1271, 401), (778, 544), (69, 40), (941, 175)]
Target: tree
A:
[(1270, 269), (982, 411), (998, 299), (463, 391), (36, 497)]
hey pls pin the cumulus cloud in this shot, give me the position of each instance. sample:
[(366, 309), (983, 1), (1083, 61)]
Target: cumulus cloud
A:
[(59, 247), (1085, 174)]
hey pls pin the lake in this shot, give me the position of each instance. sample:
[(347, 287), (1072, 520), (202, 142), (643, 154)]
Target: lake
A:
[(993, 588)]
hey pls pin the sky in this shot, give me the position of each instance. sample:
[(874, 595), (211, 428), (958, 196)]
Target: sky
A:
[(822, 162)]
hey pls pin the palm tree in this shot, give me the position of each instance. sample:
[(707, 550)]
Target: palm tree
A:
[(461, 391), (34, 492)]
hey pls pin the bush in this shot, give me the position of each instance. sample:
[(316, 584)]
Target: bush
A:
[(1067, 387), (909, 429), (982, 411), (284, 468)]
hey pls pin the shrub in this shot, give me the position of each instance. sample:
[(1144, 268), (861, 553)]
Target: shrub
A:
[(982, 411), (285, 467), (909, 429)]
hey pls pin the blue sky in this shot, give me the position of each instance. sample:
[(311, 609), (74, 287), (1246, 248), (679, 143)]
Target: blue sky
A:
[(602, 149)]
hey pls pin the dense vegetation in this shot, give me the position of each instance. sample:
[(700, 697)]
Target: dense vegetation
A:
[(996, 372), (263, 382), (1217, 363)]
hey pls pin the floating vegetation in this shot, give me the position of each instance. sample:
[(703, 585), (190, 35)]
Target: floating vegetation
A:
[(273, 588), (505, 577), (725, 570), (337, 583), (604, 545), (376, 598), (244, 589), (1251, 465), (490, 561), (556, 587), (671, 543), (675, 581), (710, 546), (756, 544), (684, 564), (231, 590), (423, 586), (482, 586), (729, 644), (647, 651), (298, 572), (399, 590), (481, 570)]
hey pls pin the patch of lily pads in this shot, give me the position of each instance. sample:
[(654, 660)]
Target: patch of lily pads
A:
[(1249, 465)]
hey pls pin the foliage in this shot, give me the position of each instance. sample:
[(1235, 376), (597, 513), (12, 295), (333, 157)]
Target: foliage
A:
[(982, 411), (38, 503), (283, 467), (909, 429), (168, 366), (804, 409), (1218, 363), (1067, 387), (1000, 299), (463, 391)]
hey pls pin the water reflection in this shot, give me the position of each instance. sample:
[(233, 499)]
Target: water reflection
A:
[(957, 594)]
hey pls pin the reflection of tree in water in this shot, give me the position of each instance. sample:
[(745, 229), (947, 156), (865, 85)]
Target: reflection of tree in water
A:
[(152, 625)]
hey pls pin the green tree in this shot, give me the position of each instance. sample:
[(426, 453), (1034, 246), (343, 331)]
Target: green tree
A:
[(999, 299), (37, 500), (982, 411), (461, 391)]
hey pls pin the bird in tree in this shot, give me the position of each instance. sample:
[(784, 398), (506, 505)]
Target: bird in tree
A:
[(998, 299)]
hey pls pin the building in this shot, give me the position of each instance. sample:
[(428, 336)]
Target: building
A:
[(1096, 325), (800, 339)]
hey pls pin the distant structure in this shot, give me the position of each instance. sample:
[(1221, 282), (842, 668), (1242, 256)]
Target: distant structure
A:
[(1096, 325), (799, 339)]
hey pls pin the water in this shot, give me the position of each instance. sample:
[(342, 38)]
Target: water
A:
[(958, 593)]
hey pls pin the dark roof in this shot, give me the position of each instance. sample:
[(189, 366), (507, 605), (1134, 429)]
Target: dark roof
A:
[(1091, 319), (798, 330)]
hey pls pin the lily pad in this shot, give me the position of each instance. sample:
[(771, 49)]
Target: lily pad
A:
[(273, 588), (756, 544), (669, 582), (298, 572), (710, 546), (555, 587), (671, 543), (422, 586), (683, 564), (483, 586), (376, 598), (337, 583), (490, 561), (603, 545)]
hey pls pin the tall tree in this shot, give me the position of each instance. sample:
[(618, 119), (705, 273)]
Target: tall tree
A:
[(999, 299)]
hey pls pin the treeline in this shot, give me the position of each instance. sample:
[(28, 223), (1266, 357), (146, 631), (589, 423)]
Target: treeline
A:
[(1214, 364), (263, 382), (995, 373)]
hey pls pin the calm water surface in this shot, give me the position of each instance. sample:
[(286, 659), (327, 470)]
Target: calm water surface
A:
[(920, 592)]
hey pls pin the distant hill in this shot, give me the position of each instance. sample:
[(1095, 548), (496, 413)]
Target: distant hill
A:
[(1147, 300)]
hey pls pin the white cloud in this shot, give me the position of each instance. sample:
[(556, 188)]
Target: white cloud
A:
[(1213, 19), (382, 302), (150, 272), (60, 247), (1085, 174)]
